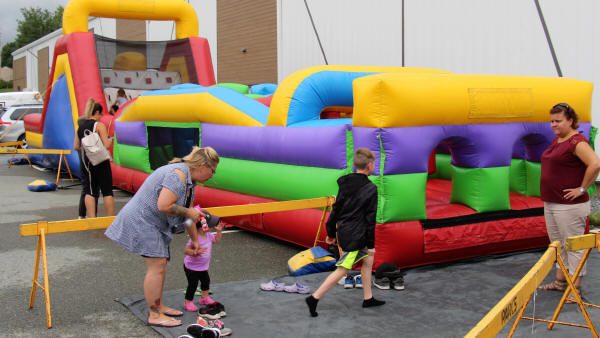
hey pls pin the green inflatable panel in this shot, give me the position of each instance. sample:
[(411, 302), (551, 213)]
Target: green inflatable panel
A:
[(534, 171), (254, 96), (160, 155), (134, 157), (401, 197), (115, 153), (483, 189), (518, 176), (349, 151), (238, 87), (274, 180), (443, 167)]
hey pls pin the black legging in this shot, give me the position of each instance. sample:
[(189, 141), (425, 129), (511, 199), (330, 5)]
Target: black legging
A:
[(82, 209), (85, 182), (193, 277)]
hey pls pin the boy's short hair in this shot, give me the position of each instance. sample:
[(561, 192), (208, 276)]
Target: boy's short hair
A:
[(362, 157)]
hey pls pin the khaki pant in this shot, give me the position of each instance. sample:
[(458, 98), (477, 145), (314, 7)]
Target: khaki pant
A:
[(564, 221)]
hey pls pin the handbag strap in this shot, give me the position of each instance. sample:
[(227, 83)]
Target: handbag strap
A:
[(188, 199)]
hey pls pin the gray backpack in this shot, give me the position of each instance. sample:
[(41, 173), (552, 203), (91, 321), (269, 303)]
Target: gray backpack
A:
[(93, 147)]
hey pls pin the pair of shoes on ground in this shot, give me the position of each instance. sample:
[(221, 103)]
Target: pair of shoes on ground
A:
[(189, 306), (350, 282), (386, 283), (207, 329), (274, 285), (212, 311)]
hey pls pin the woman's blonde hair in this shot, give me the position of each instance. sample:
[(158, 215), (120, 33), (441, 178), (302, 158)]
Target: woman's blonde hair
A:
[(91, 106), (198, 157)]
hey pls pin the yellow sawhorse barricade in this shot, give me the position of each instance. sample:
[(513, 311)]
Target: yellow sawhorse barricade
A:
[(43, 228), (517, 299), (14, 148)]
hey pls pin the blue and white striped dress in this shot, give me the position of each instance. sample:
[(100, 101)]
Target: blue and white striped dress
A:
[(140, 227)]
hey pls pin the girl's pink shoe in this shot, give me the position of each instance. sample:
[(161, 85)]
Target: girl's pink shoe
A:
[(188, 305), (206, 301)]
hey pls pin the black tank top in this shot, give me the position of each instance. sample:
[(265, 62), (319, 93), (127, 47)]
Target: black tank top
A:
[(85, 124)]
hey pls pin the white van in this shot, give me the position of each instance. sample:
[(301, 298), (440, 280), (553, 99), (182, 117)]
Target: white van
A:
[(13, 98)]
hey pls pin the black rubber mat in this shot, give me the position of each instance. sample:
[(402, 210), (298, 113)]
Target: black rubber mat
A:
[(439, 301)]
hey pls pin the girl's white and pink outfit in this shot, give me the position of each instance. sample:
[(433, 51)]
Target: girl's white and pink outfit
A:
[(196, 268)]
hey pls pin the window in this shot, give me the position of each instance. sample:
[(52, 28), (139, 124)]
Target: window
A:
[(19, 113), (165, 143)]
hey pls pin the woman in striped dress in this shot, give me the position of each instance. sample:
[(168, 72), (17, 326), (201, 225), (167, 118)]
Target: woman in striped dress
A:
[(145, 224)]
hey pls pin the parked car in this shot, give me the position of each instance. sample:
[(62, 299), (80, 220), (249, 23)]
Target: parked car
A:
[(10, 99), (12, 127)]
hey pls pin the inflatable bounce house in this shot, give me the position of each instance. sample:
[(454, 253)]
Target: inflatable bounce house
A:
[(458, 156)]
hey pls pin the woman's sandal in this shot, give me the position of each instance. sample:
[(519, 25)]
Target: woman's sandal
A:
[(171, 312), (165, 322), (555, 285), (571, 298)]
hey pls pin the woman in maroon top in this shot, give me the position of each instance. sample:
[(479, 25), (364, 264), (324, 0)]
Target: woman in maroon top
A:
[(569, 167)]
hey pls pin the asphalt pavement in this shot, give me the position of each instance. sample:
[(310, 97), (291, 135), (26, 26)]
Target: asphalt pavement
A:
[(88, 272)]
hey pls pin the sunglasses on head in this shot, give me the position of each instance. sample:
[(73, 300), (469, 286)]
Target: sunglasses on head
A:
[(563, 106)]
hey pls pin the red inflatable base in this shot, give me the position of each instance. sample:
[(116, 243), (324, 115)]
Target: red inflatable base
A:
[(408, 244)]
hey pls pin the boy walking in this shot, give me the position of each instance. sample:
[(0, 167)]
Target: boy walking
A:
[(351, 224)]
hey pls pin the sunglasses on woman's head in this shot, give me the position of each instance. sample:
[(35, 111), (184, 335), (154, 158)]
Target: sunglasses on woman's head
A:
[(563, 106)]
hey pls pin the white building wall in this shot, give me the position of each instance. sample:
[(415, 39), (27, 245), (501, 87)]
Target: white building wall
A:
[(104, 26), (351, 32), (575, 30), (477, 36), (462, 36)]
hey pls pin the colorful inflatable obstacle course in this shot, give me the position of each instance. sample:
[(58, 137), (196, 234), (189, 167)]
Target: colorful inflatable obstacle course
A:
[(457, 166)]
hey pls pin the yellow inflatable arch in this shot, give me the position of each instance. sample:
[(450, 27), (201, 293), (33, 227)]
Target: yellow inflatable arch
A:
[(75, 16)]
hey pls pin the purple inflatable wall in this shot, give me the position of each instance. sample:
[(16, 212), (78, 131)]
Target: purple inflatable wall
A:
[(316, 147), (407, 149), (131, 133)]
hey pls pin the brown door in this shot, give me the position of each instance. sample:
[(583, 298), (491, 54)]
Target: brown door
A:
[(247, 41), (131, 30), (42, 57), (130, 56), (20, 76)]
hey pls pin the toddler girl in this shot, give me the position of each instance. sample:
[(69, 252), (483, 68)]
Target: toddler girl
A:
[(196, 265)]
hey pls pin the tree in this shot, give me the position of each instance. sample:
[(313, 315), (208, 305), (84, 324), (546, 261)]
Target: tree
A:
[(36, 23), (7, 49)]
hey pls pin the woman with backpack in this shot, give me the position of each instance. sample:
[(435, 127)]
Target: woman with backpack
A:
[(95, 177)]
